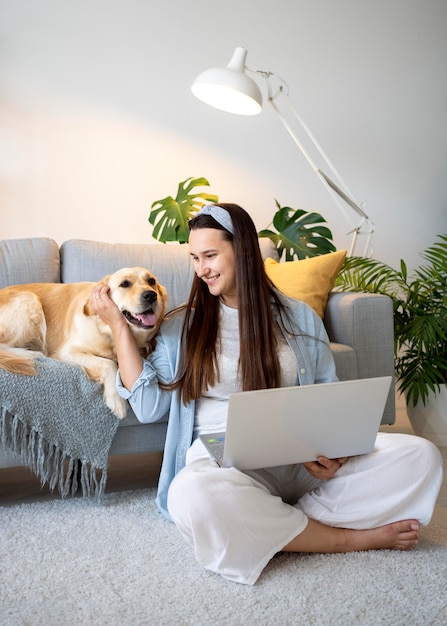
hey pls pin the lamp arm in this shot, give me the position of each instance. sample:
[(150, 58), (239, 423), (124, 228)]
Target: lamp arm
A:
[(319, 148), (305, 153), (365, 226)]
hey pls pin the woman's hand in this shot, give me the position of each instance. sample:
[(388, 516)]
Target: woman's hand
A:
[(324, 468), (130, 361), (104, 306)]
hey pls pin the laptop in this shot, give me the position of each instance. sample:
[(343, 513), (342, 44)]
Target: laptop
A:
[(288, 425)]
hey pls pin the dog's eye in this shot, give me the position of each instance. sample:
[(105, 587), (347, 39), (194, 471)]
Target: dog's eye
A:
[(125, 284), (151, 281)]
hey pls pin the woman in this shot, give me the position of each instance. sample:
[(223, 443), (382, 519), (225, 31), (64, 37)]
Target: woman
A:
[(237, 332)]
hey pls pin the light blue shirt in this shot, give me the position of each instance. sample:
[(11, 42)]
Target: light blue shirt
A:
[(315, 364)]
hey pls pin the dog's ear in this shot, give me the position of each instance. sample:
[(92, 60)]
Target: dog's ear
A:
[(163, 291)]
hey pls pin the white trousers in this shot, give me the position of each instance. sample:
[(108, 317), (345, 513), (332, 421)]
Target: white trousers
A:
[(237, 521)]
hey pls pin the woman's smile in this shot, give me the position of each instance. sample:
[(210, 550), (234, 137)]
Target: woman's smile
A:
[(211, 279), (214, 263)]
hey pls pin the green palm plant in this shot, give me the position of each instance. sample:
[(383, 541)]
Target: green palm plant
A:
[(170, 216), (420, 315), (299, 234)]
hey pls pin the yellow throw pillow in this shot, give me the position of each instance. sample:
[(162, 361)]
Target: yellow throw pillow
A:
[(309, 280)]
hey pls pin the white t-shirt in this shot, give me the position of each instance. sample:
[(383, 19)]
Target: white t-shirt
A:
[(211, 408)]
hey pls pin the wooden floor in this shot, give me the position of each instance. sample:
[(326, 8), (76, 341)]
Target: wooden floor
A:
[(18, 484)]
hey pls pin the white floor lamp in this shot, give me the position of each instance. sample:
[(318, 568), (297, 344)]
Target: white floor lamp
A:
[(231, 89)]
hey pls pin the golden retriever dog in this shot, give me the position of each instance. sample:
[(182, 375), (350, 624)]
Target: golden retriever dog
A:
[(58, 320)]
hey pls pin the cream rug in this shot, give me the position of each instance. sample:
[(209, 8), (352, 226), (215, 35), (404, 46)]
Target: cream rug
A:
[(67, 562)]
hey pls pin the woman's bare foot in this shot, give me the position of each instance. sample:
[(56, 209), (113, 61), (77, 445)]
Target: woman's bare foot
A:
[(317, 537), (396, 536)]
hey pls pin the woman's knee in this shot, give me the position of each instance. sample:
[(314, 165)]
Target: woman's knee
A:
[(421, 449), (431, 456), (186, 495), (424, 451)]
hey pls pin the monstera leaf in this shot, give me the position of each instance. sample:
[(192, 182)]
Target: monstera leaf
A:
[(300, 234), (170, 216)]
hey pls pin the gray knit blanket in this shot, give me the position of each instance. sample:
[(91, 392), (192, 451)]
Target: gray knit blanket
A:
[(59, 425)]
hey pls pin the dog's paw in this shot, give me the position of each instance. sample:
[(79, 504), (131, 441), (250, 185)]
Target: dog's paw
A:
[(117, 405)]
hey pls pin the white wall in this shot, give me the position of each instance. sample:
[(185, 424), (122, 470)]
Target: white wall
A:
[(97, 119)]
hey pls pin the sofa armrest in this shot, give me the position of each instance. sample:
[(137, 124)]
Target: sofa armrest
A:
[(365, 322)]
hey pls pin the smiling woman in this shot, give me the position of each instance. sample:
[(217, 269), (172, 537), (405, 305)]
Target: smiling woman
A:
[(238, 334)]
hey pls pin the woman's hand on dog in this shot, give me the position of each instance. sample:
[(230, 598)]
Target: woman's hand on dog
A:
[(128, 355), (104, 306)]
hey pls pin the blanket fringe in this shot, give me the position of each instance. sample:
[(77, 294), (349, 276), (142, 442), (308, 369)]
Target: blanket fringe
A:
[(52, 465)]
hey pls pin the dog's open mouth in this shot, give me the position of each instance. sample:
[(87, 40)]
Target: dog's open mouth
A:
[(147, 319)]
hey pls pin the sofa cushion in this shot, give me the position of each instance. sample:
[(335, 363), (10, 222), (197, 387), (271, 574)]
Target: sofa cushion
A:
[(310, 280), (33, 260)]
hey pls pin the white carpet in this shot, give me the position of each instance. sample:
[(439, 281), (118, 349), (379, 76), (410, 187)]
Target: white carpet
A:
[(120, 563)]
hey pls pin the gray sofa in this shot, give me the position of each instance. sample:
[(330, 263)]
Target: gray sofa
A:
[(360, 326)]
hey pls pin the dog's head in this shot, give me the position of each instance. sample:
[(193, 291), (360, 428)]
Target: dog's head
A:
[(140, 298)]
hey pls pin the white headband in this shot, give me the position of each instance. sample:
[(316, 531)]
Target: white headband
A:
[(219, 214)]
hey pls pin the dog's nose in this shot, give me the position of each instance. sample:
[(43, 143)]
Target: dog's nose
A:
[(149, 296)]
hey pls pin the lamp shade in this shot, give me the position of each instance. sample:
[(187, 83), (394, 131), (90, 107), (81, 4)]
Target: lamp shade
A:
[(229, 88)]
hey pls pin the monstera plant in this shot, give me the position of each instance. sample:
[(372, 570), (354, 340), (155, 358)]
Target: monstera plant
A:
[(170, 216), (298, 234)]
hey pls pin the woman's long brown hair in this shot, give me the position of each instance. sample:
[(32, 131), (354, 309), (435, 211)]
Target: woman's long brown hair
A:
[(259, 366)]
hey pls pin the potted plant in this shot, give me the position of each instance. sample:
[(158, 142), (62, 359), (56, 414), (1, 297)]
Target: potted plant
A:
[(299, 234), (420, 329)]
